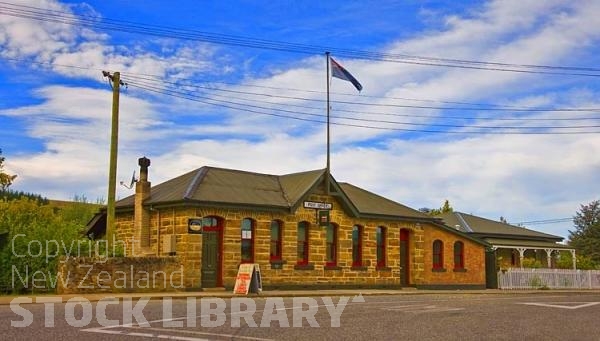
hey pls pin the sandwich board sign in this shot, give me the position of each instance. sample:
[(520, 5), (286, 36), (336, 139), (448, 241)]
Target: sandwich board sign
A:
[(248, 279)]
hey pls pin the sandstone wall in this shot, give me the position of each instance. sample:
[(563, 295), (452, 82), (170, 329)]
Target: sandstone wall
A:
[(119, 274), (165, 222), (473, 273)]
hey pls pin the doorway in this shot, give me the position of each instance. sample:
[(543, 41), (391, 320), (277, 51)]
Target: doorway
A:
[(212, 242)]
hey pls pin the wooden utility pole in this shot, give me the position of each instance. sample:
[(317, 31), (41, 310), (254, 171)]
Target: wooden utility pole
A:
[(328, 167), (112, 168)]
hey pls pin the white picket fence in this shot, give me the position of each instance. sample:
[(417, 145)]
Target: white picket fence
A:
[(548, 278)]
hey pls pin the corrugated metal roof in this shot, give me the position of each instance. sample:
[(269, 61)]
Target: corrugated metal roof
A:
[(481, 225), (218, 185), (168, 191), (239, 187), (296, 185), (370, 203), (227, 186)]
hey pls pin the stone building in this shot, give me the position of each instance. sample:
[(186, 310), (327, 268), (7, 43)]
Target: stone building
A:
[(510, 245), (305, 230)]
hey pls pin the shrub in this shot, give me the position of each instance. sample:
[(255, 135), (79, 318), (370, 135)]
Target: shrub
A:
[(31, 231), (531, 263)]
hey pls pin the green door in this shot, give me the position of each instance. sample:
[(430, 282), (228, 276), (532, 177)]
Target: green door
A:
[(491, 276), (211, 259), (404, 262)]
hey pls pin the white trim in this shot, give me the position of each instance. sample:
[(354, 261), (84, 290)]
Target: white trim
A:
[(530, 248)]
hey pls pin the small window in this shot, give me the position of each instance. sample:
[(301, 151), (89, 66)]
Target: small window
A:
[(459, 255), (438, 254), (276, 251), (381, 251), (302, 249), (357, 241), (247, 240), (331, 245)]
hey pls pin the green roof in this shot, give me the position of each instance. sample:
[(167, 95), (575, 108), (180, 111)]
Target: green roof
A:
[(485, 227), (370, 203), (296, 185), (211, 185), (217, 185)]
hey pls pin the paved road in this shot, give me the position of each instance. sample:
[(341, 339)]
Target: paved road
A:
[(541, 316)]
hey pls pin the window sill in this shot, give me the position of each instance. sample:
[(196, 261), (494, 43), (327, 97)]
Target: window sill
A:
[(460, 270), (277, 264), (438, 270), (383, 268), (332, 267), (308, 266), (359, 268)]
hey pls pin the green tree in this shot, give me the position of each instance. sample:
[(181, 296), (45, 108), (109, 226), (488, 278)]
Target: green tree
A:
[(35, 236), (565, 261), (446, 208), (586, 236), (5, 179)]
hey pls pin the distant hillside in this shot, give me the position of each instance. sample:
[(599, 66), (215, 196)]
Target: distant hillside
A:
[(63, 203), (59, 204), (8, 194)]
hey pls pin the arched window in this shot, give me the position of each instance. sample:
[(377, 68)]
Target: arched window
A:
[(302, 248), (331, 245), (438, 254), (459, 255), (357, 242), (247, 240), (276, 235), (381, 251)]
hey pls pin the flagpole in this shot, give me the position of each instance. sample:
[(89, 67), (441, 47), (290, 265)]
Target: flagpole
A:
[(327, 169)]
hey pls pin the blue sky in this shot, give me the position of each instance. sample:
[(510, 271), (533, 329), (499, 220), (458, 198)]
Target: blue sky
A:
[(192, 102)]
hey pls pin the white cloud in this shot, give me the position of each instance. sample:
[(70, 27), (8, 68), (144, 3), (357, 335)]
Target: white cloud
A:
[(61, 45)]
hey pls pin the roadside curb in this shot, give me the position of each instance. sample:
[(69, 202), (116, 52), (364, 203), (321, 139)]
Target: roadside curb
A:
[(33, 299)]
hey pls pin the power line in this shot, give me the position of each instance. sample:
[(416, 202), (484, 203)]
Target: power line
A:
[(257, 109), (393, 114), (546, 221), (36, 13), (143, 82), (251, 85), (363, 119), (505, 108), (513, 109)]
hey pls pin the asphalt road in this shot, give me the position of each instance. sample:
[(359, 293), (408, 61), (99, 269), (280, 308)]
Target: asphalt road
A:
[(541, 316)]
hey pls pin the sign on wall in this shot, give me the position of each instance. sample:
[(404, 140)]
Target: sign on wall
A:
[(323, 218), (195, 226), (318, 205)]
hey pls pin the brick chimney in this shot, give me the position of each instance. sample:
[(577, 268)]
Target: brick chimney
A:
[(141, 220)]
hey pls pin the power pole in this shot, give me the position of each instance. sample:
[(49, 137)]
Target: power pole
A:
[(328, 167), (115, 80)]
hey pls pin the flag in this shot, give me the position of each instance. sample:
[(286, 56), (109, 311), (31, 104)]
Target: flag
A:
[(339, 72)]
